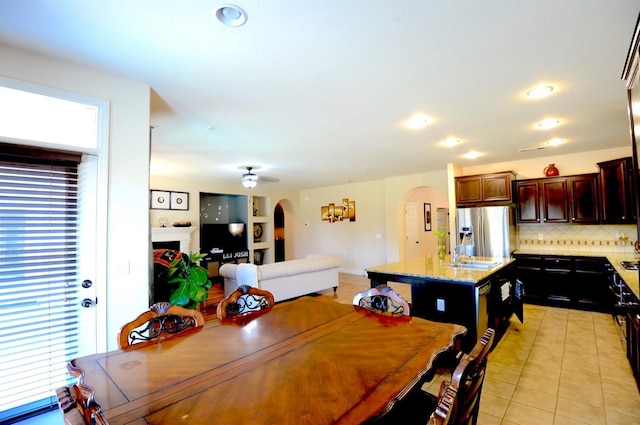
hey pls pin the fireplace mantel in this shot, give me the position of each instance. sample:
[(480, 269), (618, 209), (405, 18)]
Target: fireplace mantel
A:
[(170, 234)]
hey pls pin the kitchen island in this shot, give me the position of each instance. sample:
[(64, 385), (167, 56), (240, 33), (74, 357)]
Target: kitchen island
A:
[(476, 295)]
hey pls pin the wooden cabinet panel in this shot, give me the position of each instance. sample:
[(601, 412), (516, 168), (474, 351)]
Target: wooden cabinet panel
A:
[(565, 281), (468, 189), (615, 191), (583, 194), (528, 202), (484, 188), (554, 201), (558, 200)]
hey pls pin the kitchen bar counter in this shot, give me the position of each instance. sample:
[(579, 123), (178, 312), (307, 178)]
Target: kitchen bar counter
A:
[(430, 267), (630, 277)]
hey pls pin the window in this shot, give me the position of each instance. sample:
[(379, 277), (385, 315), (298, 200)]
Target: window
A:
[(39, 281)]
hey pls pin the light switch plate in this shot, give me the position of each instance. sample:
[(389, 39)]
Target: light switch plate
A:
[(439, 304)]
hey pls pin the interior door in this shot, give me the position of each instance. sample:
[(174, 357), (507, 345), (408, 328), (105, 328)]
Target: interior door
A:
[(412, 244)]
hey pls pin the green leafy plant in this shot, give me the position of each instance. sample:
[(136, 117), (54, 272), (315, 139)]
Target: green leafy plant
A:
[(441, 234), (190, 280)]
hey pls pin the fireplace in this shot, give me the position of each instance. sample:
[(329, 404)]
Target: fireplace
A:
[(172, 237)]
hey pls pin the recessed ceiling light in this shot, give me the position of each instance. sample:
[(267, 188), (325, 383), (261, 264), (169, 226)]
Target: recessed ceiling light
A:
[(231, 15), (540, 91), (472, 155), (450, 142), (417, 122), (548, 123), (556, 142)]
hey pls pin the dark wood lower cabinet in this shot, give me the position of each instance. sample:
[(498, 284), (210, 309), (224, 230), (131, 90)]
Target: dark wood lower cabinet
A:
[(633, 342), (565, 281)]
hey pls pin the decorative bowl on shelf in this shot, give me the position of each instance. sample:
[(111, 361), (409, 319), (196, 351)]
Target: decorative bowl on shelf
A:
[(182, 224)]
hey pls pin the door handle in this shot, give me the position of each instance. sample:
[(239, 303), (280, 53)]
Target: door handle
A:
[(87, 302)]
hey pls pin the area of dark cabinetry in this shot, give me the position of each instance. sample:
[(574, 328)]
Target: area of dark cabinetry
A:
[(558, 200), (583, 194), (487, 189), (615, 191), (633, 343), (565, 281), (555, 208), (528, 201)]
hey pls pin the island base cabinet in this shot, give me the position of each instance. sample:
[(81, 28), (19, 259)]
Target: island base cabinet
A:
[(451, 303)]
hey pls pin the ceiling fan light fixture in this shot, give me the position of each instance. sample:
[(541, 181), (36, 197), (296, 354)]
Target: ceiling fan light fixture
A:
[(249, 179), (540, 91), (231, 15)]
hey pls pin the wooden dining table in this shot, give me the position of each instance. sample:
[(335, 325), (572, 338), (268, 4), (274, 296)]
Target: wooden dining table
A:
[(307, 361)]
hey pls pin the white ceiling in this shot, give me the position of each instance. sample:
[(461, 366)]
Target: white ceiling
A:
[(315, 92)]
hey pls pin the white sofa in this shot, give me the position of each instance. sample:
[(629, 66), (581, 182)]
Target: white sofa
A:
[(286, 279)]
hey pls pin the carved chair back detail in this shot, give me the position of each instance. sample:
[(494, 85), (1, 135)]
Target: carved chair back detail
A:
[(245, 301), (459, 399), (382, 300), (162, 320)]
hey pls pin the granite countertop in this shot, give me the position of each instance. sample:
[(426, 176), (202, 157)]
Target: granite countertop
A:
[(630, 277), (430, 267)]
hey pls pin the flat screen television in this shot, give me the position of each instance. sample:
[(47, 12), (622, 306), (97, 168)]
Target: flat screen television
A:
[(218, 236)]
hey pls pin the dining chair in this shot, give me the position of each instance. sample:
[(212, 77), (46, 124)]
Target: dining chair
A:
[(458, 401), (245, 302), (75, 408), (382, 300), (162, 320)]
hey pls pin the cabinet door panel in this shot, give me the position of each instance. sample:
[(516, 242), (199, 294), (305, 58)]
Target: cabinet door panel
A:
[(615, 190), (528, 206), (554, 201), (584, 199), (468, 190), (496, 188)]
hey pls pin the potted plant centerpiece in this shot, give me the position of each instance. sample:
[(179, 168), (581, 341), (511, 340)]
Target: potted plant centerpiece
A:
[(190, 281), (442, 234)]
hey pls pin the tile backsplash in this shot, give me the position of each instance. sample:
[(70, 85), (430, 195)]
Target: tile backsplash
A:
[(606, 237)]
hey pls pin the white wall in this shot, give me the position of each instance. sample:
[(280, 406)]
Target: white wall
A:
[(127, 245), (568, 164)]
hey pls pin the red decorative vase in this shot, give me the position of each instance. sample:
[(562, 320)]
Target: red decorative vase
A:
[(551, 170)]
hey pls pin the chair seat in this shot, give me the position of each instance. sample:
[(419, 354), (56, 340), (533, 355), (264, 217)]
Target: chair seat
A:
[(414, 408)]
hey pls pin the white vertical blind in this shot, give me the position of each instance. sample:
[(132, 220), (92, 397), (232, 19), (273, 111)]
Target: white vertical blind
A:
[(38, 275)]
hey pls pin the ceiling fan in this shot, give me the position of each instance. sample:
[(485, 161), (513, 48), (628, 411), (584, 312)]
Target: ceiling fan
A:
[(250, 179)]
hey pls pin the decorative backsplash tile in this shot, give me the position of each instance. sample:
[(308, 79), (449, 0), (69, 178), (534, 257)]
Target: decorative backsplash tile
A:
[(608, 237)]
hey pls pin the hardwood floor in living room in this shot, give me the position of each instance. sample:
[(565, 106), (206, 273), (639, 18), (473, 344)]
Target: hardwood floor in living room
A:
[(560, 367)]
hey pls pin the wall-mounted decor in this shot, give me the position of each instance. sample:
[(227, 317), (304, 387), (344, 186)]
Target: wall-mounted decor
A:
[(427, 217), (346, 211), (179, 201), (166, 200), (160, 199)]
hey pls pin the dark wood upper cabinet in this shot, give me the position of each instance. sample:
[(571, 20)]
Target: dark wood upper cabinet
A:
[(558, 200), (527, 201), (489, 189), (583, 195), (616, 193), (555, 202)]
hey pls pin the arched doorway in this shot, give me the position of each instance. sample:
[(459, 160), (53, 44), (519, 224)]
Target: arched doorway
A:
[(278, 233)]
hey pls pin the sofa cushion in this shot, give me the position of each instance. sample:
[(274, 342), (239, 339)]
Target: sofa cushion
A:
[(293, 267)]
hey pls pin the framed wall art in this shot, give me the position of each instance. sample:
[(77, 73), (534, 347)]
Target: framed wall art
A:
[(160, 200), (427, 217), (179, 201)]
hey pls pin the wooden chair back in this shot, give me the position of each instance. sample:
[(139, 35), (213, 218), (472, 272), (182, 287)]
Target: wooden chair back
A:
[(459, 399), (77, 407), (382, 300), (245, 302), (162, 320)]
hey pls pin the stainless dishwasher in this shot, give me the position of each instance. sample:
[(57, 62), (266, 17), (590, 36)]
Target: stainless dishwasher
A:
[(482, 308)]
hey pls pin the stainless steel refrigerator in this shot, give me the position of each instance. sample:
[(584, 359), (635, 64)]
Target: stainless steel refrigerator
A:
[(486, 231)]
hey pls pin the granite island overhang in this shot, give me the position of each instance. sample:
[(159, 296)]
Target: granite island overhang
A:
[(476, 295)]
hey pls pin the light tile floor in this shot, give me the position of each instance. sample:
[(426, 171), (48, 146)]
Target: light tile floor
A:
[(561, 367)]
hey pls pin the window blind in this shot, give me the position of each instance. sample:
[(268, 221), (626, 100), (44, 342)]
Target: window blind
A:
[(38, 275)]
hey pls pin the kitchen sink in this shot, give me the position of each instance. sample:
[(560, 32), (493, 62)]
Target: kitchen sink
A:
[(475, 264), (629, 265)]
